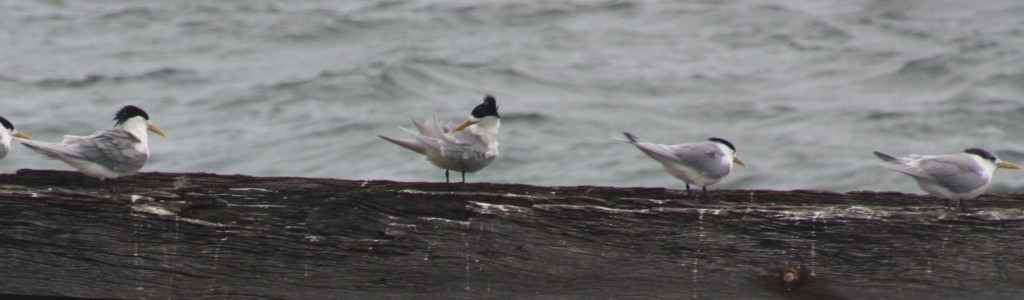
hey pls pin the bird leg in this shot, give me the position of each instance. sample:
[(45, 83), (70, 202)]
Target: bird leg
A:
[(112, 186), (688, 193), (705, 192), (446, 176), (963, 208), (949, 206), (463, 176)]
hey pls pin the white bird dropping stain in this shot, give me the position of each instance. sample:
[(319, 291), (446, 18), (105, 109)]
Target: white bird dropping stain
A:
[(135, 240), (945, 237), (216, 253), (942, 247), (696, 261), (479, 266), (700, 223), (174, 250), (814, 237), (465, 256)]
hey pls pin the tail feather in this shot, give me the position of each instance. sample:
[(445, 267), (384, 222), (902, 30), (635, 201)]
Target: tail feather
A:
[(632, 138), (48, 149), (413, 145), (887, 157)]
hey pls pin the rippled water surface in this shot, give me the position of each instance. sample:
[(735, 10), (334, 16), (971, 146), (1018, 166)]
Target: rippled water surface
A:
[(806, 89)]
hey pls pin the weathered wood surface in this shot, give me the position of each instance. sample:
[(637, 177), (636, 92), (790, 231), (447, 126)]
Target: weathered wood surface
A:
[(193, 236)]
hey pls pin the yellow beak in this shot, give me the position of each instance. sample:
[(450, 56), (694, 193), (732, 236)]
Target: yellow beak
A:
[(736, 159), (22, 135), (465, 124), (155, 129), (1007, 165)]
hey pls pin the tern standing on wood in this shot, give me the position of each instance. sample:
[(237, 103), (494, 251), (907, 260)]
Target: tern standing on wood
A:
[(703, 163), (108, 154), (469, 147), (961, 176)]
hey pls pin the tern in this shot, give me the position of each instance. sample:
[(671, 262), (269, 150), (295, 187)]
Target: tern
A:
[(469, 147), (961, 176), (107, 154), (8, 133), (703, 163)]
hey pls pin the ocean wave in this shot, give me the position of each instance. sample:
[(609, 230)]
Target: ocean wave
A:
[(1002, 86), (525, 117), (136, 12), (421, 75), (5, 78), (879, 115), (283, 23), (322, 75), (935, 74), (972, 120), (165, 73), (779, 25), (980, 100), (513, 9), (930, 67), (380, 82)]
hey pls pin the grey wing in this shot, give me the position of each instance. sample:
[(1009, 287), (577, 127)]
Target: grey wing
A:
[(658, 152), (113, 148), (426, 141), (904, 166), (959, 173), (467, 138), (430, 127), (467, 150), (456, 151), (705, 157)]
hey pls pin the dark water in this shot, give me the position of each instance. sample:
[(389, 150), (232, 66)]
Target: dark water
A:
[(806, 90)]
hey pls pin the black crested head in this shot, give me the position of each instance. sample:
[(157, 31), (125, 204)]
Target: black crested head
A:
[(128, 112), (7, 124), (723, 142), (983, 153), (486, 109)]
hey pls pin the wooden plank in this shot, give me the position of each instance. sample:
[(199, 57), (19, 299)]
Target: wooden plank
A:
[(194, 236)]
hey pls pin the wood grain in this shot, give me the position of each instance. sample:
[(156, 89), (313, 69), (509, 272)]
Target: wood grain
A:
[(196, 236)]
